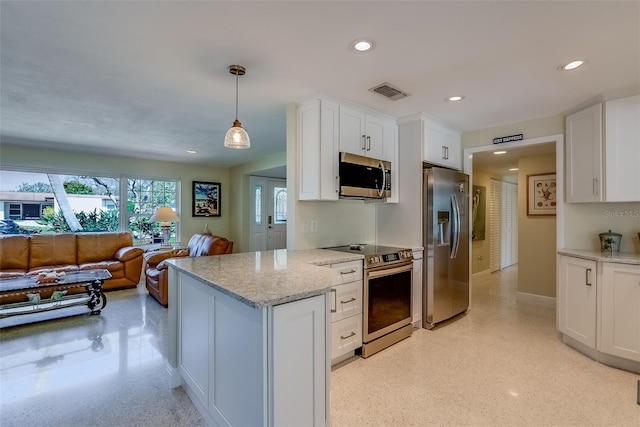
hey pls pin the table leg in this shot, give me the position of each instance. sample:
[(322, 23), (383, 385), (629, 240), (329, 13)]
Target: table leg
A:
[(96, 296)]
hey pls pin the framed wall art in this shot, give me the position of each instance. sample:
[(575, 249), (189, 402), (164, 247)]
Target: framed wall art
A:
[(206, 198), (541, 194), (478, 211)]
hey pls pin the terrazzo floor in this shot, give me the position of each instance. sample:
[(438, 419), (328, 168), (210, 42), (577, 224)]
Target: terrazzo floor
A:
[(500, 364)]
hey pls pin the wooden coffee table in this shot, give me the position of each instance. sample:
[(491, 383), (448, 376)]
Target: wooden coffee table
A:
[(30, 288)]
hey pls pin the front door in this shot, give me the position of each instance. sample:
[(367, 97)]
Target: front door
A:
[(268, 213)]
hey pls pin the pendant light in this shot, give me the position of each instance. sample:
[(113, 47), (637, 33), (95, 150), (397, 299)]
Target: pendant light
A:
[(237, 137)]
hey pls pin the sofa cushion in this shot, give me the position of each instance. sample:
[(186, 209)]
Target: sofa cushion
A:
[(14, 252), (116, 268), (94, 247), (52, 249)]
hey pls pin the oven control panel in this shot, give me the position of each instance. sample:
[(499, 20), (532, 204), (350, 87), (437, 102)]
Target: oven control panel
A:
[(379, 260)]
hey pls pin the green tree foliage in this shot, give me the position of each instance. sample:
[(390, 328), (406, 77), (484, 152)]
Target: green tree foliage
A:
[(90, 221), (75, 187), (36, 187)]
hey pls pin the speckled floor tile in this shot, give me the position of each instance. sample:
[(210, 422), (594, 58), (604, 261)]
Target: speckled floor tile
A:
[(502, 363)]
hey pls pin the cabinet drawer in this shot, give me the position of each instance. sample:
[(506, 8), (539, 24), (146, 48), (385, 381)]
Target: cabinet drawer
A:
[(346, 335), (346, 300), (346, 272)]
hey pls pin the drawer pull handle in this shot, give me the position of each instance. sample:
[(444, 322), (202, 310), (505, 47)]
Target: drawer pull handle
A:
[(350, 300), (348, 272), (342, 337), (333, 301), (588, 277)]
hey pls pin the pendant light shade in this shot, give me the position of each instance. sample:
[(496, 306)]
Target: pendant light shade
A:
[(237, 137)]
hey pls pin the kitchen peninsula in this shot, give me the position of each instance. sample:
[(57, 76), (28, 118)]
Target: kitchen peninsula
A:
[(249, 335)]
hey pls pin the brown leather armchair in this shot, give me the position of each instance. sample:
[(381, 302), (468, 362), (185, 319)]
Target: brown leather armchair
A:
[(156, 273)]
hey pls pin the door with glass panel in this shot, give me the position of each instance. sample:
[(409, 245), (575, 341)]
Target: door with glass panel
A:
[(268, 213)]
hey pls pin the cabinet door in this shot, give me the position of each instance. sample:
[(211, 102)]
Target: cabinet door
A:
[(622, 150), (346, 335), (375, 134), (620, 308), (441, 144), (352, 130), (300, 363), (329, 131), (577, 303), (584, 155), (308, 159), (417, 288), (347, 300)]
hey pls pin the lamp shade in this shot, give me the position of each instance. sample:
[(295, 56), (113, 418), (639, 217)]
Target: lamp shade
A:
[(237, 137), (164, 214)]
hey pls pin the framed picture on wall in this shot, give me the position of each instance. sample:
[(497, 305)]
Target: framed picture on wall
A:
[(541, 194), (206, 198)]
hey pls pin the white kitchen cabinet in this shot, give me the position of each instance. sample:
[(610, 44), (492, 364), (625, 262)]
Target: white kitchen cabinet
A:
[(366, 133), (622, 150), (441, 144), (317, 156), (584, 144), (346, 310), (577, 299), (620, 311), (243, 365)]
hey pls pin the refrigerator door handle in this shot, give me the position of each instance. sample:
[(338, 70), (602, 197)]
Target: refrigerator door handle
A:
[(456, 227)]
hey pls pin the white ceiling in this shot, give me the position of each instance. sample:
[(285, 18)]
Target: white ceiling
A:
[(150, 79)]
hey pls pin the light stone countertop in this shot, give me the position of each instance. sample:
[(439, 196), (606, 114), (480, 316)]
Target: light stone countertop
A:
[(261, 279), (617, 257)]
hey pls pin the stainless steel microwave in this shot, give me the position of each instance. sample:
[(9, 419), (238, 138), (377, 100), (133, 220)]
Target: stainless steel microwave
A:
[(364, 177)]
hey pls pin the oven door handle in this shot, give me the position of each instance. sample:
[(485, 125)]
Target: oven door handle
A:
[(389, 271)]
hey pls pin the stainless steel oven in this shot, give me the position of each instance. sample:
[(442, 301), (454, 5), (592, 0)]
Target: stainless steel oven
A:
[(388, 282)]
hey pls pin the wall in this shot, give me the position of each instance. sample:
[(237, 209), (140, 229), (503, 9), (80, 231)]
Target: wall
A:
[(536, 234), (480, 249), (530, 129), (339, 222), (241, 203), (58, 161), (587, 220)]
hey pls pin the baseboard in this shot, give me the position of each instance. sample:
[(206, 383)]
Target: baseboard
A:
[(536, 299), (174, 375), (481, 273)]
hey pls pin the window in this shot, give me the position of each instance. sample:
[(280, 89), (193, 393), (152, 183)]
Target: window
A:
[(257, 190), (34, 200), (280, 204), (144, 197)]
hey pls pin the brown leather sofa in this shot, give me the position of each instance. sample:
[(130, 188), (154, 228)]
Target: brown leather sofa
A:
[(22, 255), (156, 272)]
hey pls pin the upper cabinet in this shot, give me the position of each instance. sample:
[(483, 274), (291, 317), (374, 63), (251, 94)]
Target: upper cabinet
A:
[(441, 144), (622, 149), (584, 155), (365, 133), (317, 156), (604, 169), (325, 127)]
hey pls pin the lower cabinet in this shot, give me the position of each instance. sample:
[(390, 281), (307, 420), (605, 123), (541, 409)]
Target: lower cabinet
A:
[(346, 310), (247, 366), (599, 309), (620, 318), (577, 299)]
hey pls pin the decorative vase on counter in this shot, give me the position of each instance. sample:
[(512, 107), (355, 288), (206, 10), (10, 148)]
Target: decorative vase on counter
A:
[(610, 242)]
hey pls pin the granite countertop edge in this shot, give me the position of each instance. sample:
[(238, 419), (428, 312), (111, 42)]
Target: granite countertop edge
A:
[(615, 257), (310, 268)]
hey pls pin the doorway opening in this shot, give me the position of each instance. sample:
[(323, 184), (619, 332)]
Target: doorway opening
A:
[(268, 213)]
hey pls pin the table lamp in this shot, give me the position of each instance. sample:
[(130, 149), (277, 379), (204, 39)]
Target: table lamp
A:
[(165, 216)]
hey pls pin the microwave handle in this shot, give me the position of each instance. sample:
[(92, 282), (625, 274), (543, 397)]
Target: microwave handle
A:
[(384, 180)]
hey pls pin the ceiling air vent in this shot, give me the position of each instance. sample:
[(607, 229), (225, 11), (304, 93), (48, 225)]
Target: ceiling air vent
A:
[(385, 89)]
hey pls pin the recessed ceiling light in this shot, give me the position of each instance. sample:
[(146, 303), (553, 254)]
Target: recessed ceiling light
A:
[(514, 169), (455, 98), (572, 65), (361, 45), (192, 151), (499, 152)]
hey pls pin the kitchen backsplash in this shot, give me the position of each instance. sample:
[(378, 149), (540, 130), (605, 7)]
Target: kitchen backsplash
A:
[(584, 221)]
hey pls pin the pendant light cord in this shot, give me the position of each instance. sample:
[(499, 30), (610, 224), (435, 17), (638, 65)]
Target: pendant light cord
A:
[(236, 95)]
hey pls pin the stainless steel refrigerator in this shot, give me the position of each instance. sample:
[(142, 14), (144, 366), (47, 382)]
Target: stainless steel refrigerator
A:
[(446, 242)]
